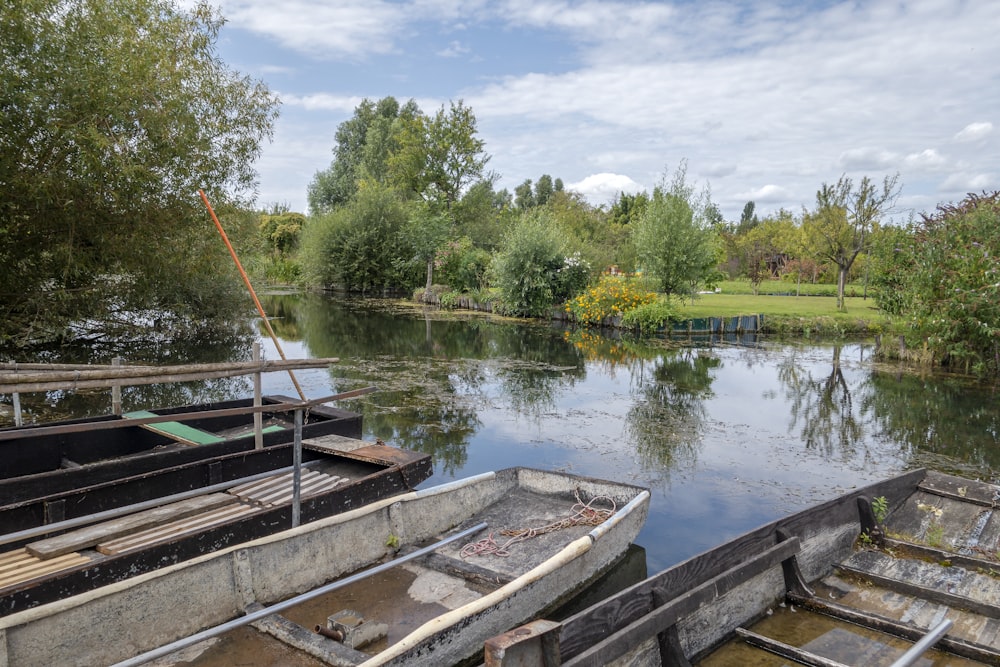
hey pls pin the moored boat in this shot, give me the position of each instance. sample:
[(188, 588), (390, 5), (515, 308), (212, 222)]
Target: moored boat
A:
[(874, 577), (562, 531), (124, 527)]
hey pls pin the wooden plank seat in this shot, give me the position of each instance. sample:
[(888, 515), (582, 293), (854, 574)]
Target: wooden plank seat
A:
[(19, 566), (89, 536), (189, 435), (176, 529), (277, 490)]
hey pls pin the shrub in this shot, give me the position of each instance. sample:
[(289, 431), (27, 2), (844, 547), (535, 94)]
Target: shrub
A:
[(461, 265), (574, 276), (612, 296), (649, 318), (525, 271)]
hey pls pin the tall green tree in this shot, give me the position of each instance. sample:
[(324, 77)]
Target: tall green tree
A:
[(113, 114), (840, 227), (438, 159), (364, 145), (674, 242)]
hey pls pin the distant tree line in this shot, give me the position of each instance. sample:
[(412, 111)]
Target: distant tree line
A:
[(116, 112)]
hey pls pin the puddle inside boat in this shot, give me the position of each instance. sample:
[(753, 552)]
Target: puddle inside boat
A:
[(824, 636)]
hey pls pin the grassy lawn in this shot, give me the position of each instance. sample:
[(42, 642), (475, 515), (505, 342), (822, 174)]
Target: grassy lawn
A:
[(791, 314)]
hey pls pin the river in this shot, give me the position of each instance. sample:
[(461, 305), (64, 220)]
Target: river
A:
[(727, 434)]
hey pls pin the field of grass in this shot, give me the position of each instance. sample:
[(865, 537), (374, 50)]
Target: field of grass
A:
[(791, 314)]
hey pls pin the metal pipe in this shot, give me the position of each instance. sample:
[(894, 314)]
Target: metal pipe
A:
[(297, 471), (291, 602), (138, 507), (926, 642), (329, 633)]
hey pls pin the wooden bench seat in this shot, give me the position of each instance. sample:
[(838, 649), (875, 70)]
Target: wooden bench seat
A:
[(189, 435)]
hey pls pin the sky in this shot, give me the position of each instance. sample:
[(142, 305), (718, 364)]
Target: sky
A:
[(764, 101)]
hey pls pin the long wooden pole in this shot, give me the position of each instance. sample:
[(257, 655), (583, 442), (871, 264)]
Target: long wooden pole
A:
[(246, 279)]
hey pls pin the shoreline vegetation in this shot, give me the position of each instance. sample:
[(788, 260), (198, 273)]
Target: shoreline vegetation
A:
[(811, 312)]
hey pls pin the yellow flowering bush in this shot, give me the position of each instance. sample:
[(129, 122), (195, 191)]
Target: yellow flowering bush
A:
[(612, 296)]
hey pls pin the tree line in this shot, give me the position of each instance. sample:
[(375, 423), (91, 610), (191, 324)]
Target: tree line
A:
[(116, 112)]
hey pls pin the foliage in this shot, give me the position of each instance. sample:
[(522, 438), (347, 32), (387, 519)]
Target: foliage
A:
[(359, 245), (364, 144), (526, 269), (891, 261), (281, 232), (461, 265), (613, 296), (627, 208), (673, 240), (436, 161), (840, 227), (880, 508), (648, 318), (114, 114), (952, 288)]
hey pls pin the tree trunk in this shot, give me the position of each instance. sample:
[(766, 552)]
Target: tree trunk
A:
[(841, 284), (430, 280)]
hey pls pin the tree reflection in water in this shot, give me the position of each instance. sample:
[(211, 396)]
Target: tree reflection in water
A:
[(669, 412)]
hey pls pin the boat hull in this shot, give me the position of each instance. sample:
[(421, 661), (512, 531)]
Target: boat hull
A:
[(126, 618), (370, 473)]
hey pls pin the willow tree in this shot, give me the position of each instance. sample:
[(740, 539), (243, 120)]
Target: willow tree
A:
[(113, 114)]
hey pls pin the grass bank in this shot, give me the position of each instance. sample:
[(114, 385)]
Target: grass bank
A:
[(807, 315)]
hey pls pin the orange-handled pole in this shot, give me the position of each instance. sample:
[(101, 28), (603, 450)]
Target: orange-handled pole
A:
[(246, 279)]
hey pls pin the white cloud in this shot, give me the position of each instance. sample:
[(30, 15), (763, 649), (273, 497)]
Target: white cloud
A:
[(862, 159), (974, 132), (791, 93), (454, 50), (769, 193), (602, 188), (321, 102), (966, 182), (926, 160), (344, 29)]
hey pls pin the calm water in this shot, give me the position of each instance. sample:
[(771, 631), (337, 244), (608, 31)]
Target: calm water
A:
[(727, 435)]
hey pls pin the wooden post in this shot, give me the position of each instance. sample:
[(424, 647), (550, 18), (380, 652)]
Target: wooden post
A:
[(533, 645), (258, 418), (297, 472), (116, 391)]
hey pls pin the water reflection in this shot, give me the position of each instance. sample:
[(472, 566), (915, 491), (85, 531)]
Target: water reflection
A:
[(728, 434)]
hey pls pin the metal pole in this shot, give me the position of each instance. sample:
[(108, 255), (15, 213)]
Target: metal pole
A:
[(922, 646), (253, 294), (258, 418), (116, 391), (297, 471), (18, 419), (291, 602)]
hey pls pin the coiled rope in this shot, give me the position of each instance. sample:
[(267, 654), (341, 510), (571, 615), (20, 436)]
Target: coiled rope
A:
[(582, 514)]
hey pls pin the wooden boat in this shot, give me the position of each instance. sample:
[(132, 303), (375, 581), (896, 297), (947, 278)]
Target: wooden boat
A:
[(476, 595), (836, 584), (175, 513), (76, 453)]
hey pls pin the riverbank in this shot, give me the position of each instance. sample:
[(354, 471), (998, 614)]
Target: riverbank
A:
[(774, 314)]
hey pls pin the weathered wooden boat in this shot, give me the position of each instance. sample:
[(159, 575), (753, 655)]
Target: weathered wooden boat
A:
[(460, 589), (874, 577), (117, 529), (47, 458)]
